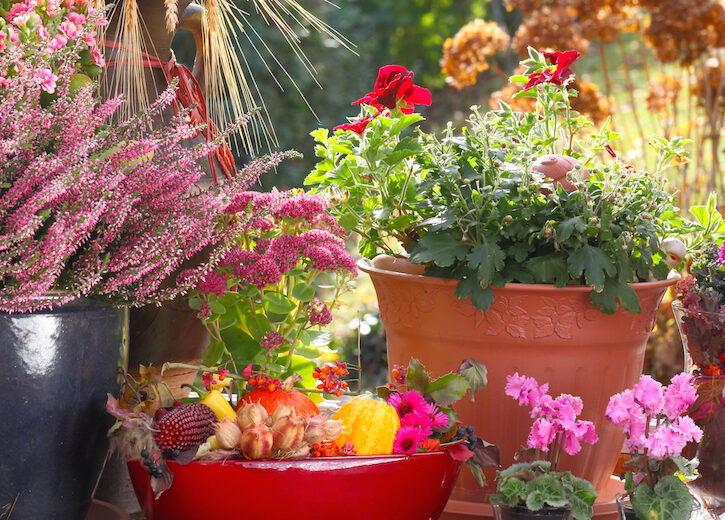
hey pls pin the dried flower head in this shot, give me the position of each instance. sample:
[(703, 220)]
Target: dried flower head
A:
[(466, 55), (550, 28), (662, 92)]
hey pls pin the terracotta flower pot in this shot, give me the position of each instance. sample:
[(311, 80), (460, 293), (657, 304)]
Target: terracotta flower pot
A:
[(553, 334), (404, 487)]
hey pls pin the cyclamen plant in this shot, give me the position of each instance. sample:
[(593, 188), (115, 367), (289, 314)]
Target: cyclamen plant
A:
[(656, 431), (538, 483), (98, 210), (428, 421), (271, 294)]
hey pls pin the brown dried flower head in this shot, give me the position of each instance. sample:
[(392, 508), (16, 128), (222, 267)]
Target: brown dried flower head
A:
[(550, 29), (466, 55), (591, 102), (662, 92)]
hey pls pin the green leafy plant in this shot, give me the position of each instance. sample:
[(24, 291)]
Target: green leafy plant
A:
[(267, 302), (471, 205)]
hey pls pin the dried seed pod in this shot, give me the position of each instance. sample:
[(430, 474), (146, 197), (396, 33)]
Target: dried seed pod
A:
[(227, 434), (256, 441), (288, 433), (249, 414), (319, 428)]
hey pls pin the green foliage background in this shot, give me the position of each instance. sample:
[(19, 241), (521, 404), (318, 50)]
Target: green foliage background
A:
[(406, 32)]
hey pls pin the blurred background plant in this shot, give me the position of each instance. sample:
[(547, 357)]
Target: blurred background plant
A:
[(654, 66)]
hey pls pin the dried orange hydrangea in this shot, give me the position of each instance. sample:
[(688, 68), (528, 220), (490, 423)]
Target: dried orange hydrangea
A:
[(606, 22), (591, 102), (466, 55), (662, 92), (685, 30), (550, 28)]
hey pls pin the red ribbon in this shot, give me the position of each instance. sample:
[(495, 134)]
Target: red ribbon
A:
[(188, 92)]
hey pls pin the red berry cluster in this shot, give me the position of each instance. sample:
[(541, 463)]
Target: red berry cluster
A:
[(326, 448), (263, 381), (715, 369), (400, 377), (329, 377)]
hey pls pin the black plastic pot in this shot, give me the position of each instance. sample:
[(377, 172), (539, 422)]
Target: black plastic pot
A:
[(503, 512), (56, 367)]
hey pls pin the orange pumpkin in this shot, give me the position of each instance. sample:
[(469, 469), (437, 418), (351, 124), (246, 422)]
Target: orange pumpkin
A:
[(368, 423), (286, 395)]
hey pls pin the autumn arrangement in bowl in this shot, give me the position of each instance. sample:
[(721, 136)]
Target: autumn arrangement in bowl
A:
[(411, 439)]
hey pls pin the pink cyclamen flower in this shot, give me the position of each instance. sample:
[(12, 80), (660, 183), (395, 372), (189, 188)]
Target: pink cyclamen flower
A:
[(542, 434), (650, 394), (408, 439), (679, 395), (46, 79), (525, 389), (408, 402)]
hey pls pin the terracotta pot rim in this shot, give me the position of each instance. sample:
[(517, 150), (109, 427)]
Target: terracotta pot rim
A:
[(366, 266)]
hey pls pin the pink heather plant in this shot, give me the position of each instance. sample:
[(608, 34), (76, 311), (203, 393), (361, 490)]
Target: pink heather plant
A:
[(555, 420), (264, 294), (92, 209), (656, 431)]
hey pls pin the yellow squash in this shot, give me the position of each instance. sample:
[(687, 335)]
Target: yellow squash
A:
[(368, 423), (219, 405)]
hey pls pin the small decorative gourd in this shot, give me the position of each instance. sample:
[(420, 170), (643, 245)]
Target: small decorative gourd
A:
[(368, 423)]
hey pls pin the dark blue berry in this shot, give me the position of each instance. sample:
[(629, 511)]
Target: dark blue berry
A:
[(469, 429), (147, 462), (144, 453)]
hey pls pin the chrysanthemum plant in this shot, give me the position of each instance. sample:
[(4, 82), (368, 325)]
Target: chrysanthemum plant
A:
[(267, 302), (91, 207), (470, 206), (656, 430), (538, 483), (428, 421)]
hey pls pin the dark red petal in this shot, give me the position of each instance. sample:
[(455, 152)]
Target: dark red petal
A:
[(565, 59), (419, 96), (386, 72)]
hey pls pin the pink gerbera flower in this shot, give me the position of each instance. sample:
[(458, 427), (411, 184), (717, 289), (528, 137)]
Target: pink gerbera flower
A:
[(407, 440), (408, 402)]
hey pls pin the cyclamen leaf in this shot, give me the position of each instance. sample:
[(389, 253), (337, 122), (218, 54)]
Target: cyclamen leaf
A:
[(545, 489), (441, 248), (512, 491), (669, 500), (593, 263), (581, 499)]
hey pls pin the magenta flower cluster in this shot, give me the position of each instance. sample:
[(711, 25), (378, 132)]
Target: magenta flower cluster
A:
[(88, 208), (418, 419), (555, 419), (651, 416)]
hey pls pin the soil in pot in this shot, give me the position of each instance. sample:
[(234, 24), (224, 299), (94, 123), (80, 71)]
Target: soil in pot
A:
[(502, 512)]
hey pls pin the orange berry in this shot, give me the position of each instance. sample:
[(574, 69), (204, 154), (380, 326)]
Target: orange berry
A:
[(272, 387), (252, 382)]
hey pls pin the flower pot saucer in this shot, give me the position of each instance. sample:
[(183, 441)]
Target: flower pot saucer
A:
[(605, 508)]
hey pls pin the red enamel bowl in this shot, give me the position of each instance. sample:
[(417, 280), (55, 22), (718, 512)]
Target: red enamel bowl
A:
[(403, 487)]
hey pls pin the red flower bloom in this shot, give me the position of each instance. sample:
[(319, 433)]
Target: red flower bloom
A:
[(396, 82), (562, 60), (357, 126)]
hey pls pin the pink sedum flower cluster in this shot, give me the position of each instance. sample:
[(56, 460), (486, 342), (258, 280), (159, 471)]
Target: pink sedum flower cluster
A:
[(651, 416), (418, 419), (555, 419)]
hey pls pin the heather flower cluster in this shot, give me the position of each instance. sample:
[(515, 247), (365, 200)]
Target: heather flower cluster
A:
[(651, 416), (51, 28), (418, 419), (110, 211), (555, 419), (267, 284)]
